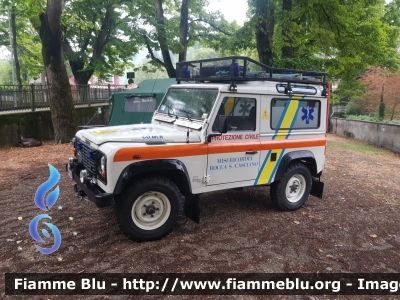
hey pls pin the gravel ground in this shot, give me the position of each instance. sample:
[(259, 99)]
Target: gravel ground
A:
[(353, 229)]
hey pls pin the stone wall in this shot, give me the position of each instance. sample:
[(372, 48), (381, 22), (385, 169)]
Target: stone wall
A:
[(378, 134)]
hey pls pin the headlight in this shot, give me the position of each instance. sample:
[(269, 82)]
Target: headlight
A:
[(103, 164), (103, 167)]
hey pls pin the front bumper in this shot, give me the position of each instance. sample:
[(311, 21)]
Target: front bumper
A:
[(92, 191)]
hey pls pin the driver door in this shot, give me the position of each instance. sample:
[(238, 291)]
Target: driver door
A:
[(234, 157)]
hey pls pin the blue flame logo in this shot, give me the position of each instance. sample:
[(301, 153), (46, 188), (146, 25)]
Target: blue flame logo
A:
[(35, 235), (45, 187), (40, 202)]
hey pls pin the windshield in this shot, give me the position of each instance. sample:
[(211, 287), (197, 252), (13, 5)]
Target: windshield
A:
[(188, 102)]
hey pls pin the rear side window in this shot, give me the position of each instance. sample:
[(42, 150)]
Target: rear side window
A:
[(295, 114), (140, 104)]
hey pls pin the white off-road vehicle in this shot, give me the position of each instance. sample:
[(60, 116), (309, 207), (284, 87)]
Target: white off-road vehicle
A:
[(238, 123)]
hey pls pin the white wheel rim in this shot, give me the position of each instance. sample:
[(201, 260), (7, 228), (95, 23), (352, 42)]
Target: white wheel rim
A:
[(151, 210), (295, 188)]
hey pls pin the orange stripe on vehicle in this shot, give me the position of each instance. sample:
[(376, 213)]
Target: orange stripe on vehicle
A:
[(159, 152), (216, 148), (287, 144), (172, 151)]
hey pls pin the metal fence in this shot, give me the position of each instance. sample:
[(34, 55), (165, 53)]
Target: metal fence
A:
[(338, 110), (32, 97)]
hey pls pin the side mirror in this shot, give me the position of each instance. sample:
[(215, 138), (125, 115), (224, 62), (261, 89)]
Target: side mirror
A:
[(220, 125)]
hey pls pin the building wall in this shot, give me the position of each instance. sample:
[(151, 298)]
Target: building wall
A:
[(378, 134), (94, 80)]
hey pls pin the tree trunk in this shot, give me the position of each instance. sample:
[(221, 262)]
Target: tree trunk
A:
[(288, 51), (81, 77), (15, 50), (162, 39), (61, 103), (265, 24), (184, 28)]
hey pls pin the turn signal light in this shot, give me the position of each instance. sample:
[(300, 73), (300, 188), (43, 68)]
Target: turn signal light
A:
[(103, 174)]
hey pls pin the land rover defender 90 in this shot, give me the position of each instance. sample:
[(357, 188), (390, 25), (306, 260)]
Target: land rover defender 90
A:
[(228, 123)]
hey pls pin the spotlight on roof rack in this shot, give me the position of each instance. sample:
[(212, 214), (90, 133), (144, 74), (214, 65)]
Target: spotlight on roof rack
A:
[(324, 91), (288, 89), (233, 87)]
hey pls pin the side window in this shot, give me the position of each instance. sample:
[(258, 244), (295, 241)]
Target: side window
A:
[(295, 114), (140, 104), (241, 113)]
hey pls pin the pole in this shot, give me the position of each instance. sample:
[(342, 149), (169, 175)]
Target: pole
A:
[(33, 96), (11, 47), (15, 48), (12, 58)]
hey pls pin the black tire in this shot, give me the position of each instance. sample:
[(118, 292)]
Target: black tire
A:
[(149, 209), (293, 189)]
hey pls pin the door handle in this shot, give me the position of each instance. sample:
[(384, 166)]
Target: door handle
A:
[(251, 152)]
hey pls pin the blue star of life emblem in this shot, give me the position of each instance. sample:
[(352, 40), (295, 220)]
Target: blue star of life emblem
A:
[(307, 111)]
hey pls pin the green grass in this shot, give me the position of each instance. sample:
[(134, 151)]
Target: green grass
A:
[(356, 146), (372, 119)]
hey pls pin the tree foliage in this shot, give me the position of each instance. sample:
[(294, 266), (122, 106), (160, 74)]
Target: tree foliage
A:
[(27, 38), (381, 110), (170, 27), (340, 37), (5, 72), (96, 37), (382, 93), (204, 53)]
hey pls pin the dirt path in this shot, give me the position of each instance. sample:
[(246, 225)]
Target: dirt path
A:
[(355, 228)]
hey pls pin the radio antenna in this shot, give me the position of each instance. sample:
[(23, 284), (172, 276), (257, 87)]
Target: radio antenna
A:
[(144, 113)]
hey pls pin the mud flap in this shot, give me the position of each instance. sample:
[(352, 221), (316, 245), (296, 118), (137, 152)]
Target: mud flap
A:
[(192, 207), (317, 189)]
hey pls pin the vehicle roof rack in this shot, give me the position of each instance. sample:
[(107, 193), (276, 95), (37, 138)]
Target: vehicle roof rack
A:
[(240, 68)]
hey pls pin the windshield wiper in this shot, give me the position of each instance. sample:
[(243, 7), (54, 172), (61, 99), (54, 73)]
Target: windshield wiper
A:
[(187, 115), (169, 114)]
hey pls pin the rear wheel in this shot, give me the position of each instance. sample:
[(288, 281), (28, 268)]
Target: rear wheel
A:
[(293, 189), (149, 209)]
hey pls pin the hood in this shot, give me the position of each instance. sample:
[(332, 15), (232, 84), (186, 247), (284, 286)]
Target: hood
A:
[(138, 133)]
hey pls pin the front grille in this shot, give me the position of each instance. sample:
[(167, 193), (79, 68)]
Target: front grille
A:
[(89, 163)]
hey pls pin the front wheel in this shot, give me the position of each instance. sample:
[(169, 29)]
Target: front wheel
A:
[(149, 209), (293, 189)]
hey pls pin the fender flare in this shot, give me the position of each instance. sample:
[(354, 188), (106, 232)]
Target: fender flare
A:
[(305, 155), (150, 166)]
